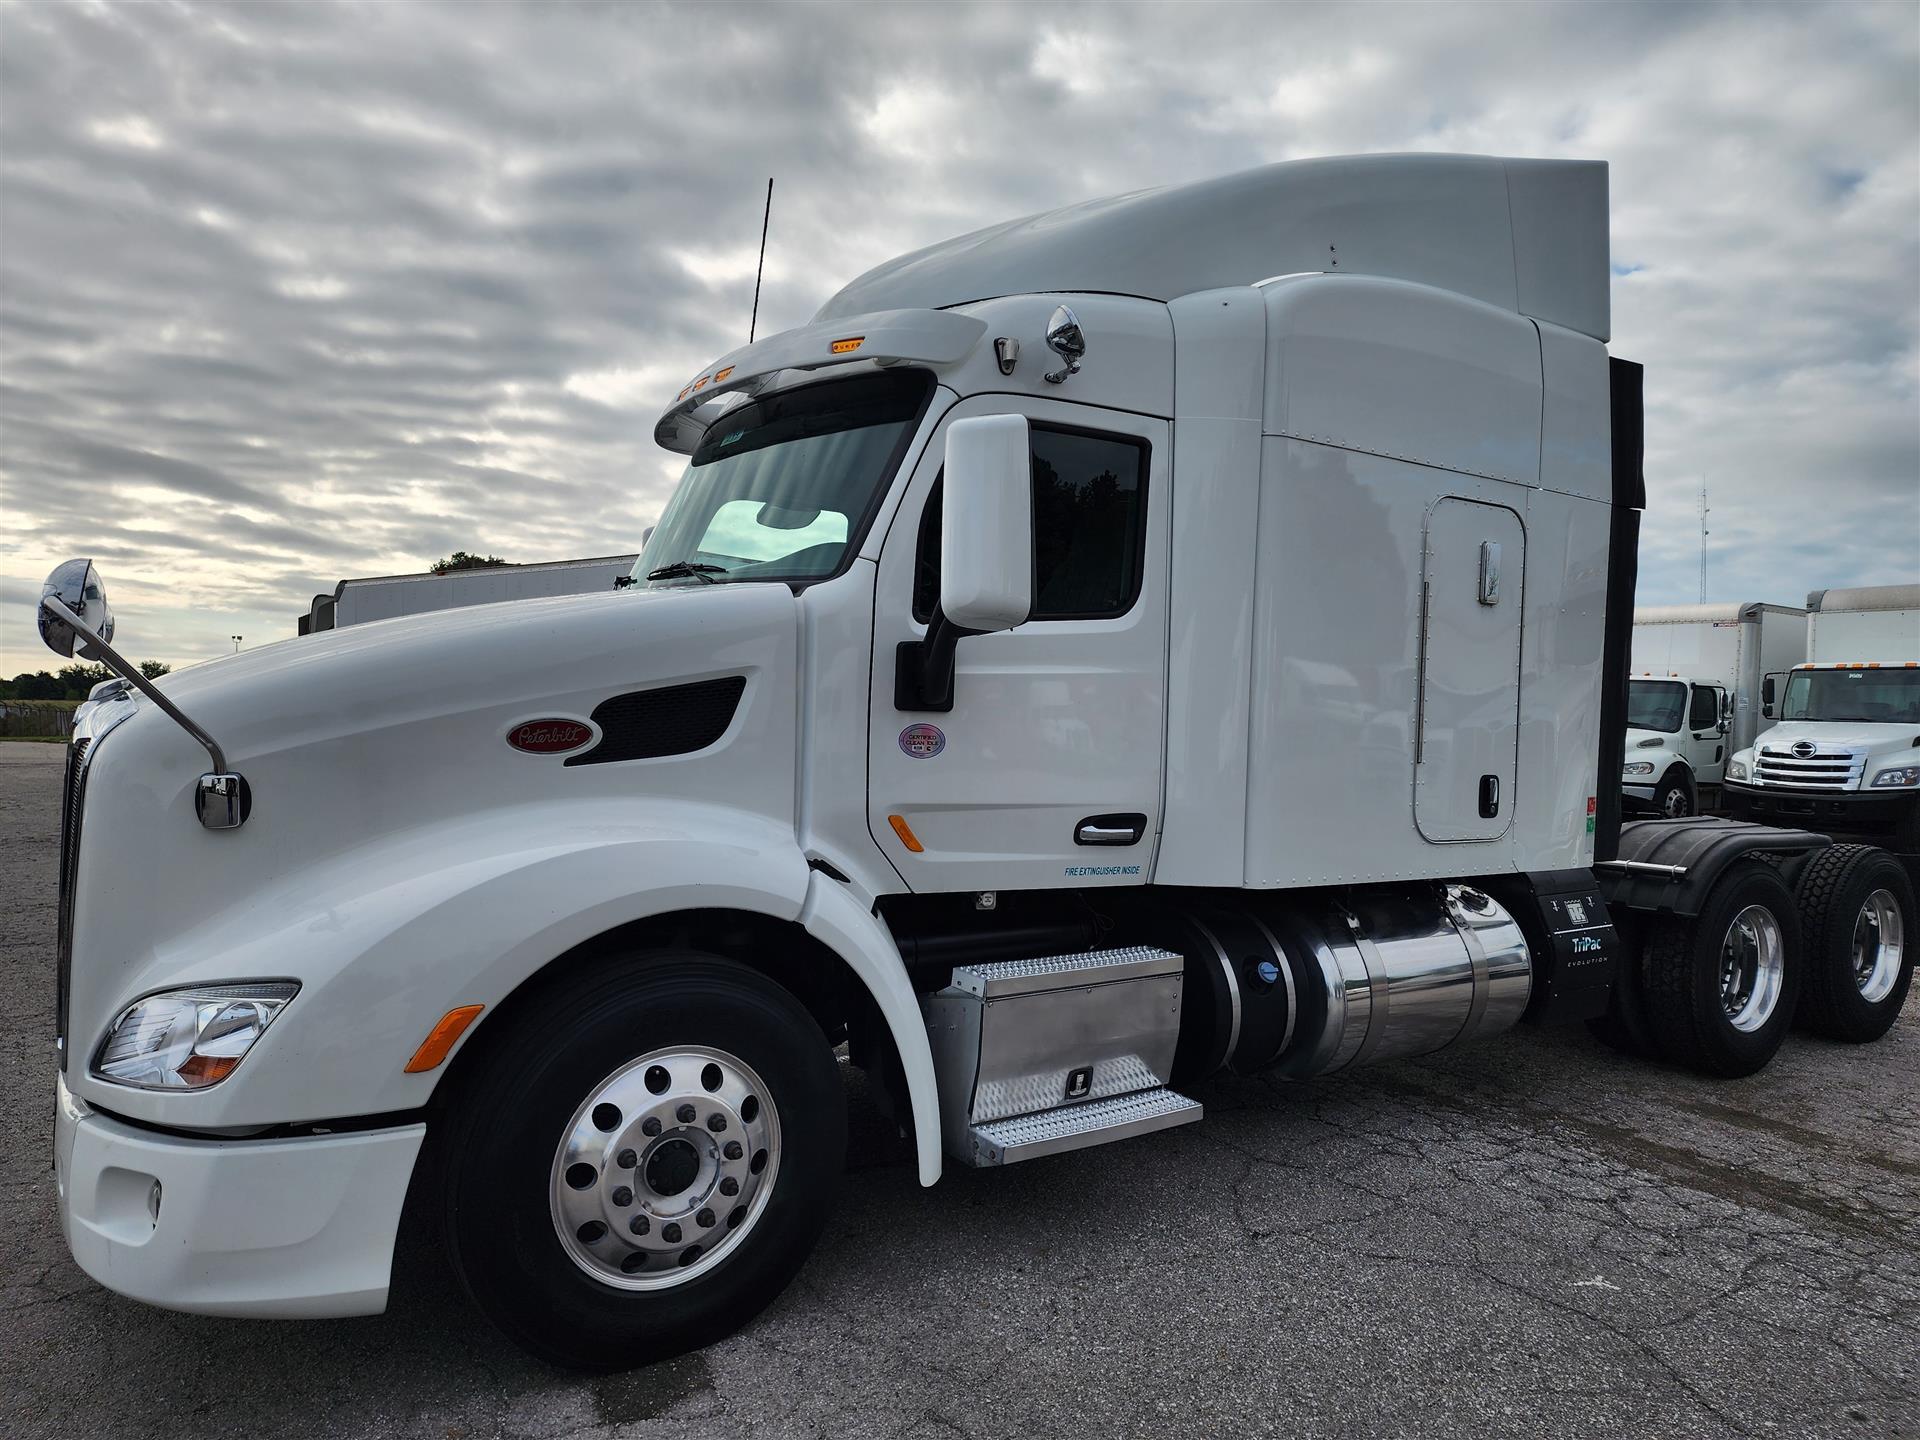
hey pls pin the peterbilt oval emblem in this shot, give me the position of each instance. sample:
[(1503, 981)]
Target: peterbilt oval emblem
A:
[(1803, 748), (549, 737)]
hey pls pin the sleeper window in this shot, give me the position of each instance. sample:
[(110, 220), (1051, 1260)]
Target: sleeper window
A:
[(1089, 528)]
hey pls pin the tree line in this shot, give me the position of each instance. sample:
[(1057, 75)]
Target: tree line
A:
[(70, 682)]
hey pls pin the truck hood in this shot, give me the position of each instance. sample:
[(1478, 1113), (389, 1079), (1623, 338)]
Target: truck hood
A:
[(1874, 739), (559, 655)]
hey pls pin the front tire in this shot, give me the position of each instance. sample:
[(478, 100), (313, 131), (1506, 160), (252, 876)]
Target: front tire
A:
[(1721, 988), (643, 1159), (1857, 906), (1674, 798)]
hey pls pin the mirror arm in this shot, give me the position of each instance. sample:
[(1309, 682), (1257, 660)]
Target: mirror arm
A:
[(131, 674), (923, 669)]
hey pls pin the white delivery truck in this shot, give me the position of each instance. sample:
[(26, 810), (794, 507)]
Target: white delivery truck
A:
[(385, 597), (1182, 632), (1695, 696), (1844, 757)]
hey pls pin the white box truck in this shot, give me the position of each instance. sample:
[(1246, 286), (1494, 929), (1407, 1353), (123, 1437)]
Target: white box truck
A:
[(1180, 633), (386, 597), (1844, 755), (1695, 696)]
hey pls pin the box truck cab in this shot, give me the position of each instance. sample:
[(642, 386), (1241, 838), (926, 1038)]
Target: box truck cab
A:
[(1676, 742), (1844, 753), (1175, 633)]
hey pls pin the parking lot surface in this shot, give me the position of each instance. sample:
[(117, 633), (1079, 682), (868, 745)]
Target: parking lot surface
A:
[(1531, 1237)]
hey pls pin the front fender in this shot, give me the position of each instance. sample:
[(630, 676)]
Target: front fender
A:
[(385, 940)]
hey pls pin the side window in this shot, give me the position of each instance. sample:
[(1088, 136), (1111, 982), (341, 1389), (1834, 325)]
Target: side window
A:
[(1089, 527), (1705, 712)]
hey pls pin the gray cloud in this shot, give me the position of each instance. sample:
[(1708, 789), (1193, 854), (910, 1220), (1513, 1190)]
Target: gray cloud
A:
[(295, 292)]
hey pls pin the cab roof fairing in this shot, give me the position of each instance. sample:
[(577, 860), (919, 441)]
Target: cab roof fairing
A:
[(886, 337)]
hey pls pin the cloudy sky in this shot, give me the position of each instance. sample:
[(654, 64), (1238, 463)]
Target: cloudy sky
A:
[(296, 292)]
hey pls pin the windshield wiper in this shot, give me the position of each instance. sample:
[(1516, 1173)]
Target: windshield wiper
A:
[(681, 569)]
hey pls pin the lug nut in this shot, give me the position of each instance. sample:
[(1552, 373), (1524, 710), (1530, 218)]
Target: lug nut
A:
[(729, 1186), (622, 1196), (716, 1122), (670, 1233), (639, 1225), (650, 1126), (686, 1114), (705, 1219), (626, 1160), (731, 1150)]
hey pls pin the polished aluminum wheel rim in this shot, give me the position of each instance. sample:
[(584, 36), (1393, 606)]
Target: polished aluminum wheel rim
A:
[(1879, 943), (1751, 968), (665, 1168), (1676, 804)]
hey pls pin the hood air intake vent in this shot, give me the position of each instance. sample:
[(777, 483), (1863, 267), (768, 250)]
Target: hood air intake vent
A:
[(673, 720)]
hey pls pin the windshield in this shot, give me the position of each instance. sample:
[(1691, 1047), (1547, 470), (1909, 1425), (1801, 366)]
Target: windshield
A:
[(1890, 697), (1655, 704), (782, 487)]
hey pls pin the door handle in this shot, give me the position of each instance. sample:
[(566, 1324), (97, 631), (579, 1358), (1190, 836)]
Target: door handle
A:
[(1489, 796), (1110, 830)]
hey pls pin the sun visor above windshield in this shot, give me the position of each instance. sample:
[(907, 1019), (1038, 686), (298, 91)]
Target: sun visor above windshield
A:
[(927, 337)]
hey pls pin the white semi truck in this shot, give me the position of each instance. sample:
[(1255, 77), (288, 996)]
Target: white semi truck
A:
[(1695, 696), (1182, 632), (1844, 755)]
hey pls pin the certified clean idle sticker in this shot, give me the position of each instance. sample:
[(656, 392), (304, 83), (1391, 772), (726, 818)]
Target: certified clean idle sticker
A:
[(922, 742)]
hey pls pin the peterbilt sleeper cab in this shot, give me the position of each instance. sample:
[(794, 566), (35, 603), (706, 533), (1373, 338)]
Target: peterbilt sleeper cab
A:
[(1172, 634)]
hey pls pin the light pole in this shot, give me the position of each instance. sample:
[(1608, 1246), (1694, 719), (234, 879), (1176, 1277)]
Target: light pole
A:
[(236, 644)]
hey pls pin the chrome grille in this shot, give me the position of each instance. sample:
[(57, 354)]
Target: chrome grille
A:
[(1829, 767), (73, 801)]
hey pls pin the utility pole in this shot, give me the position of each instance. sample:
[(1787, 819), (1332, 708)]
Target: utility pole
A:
[(1703, 542)]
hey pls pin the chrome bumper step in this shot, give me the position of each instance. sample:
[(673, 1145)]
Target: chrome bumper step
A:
[(1074, 1127)]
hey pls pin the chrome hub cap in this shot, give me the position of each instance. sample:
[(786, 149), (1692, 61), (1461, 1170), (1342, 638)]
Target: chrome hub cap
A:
[(664, 1168), (1879, 944), (1676, 803), (1751, 968)]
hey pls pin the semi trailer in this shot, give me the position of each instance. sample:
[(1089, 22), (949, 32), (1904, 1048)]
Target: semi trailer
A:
[(1176, 634), (1695, 696), (1843, 756)]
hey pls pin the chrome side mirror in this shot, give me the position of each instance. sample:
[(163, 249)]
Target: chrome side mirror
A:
[(76, 585), (1067, 340)]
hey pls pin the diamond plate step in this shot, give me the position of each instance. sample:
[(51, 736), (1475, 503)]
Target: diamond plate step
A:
[(1001, 978), (1074, 1127)]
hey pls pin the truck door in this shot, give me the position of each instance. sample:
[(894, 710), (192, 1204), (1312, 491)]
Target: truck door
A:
[(1707, 733), (1467, 726), (1047, 770)]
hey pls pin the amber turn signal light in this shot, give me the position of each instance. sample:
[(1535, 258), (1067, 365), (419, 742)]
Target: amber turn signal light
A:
[(442, 1038)]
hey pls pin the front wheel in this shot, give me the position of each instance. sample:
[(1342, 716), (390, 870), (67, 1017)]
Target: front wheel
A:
[(1858, 909), (643, 1160), (1721, 988), (1674, 798)]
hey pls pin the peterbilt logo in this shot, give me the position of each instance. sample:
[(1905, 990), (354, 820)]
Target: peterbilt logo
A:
[(549, 737), (1803, 748)]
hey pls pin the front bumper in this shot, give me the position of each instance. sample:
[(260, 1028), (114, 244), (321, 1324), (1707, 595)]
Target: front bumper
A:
[(1817, 809), (279, 1229)]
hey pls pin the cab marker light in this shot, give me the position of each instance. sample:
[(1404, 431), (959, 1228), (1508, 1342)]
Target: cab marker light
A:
[(848, 345), (721, 375), (905, 832), (442, 1038)]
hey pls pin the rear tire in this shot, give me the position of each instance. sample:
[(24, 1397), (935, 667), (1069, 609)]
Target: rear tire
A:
[(1857, 908), (1721, 989), (567, 1167)]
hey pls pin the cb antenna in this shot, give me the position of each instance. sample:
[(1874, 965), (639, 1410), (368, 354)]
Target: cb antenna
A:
[(767, 215)]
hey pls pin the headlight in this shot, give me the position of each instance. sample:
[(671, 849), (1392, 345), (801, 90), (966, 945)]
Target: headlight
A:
[(1639, 767), (189, 1039), (1905, 775), (1736, 770)]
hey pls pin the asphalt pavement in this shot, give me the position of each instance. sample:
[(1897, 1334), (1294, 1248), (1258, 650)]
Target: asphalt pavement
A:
[(1534, 1236)]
